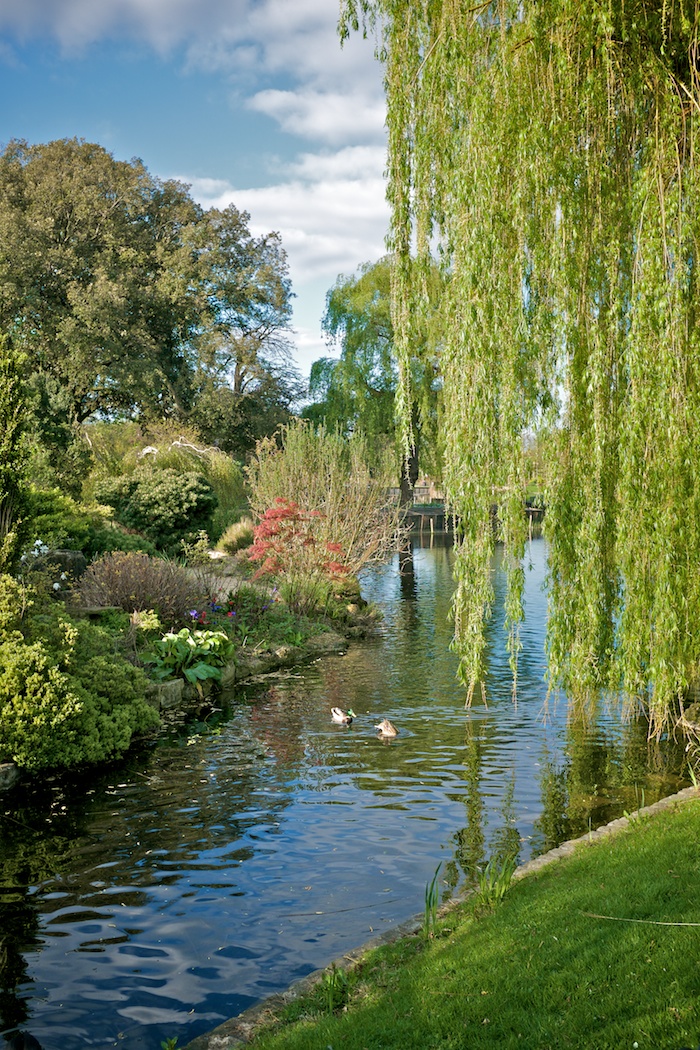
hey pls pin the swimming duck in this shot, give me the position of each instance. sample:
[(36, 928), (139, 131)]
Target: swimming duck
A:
[(387, 728), (341, 717)]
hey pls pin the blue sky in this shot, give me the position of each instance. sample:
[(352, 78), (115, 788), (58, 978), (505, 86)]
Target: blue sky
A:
[(251, 102)]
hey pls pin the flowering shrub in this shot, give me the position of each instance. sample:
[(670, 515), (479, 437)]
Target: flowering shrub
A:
[(287, 545)]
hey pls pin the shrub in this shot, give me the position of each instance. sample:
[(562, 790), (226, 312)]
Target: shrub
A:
[(137, 582), (119, 451), (165, 505), (105, 537), (15, 601), (289, 544), (57, 519), (67, 697), (237, 536), (51, 718), (323, 471), (13, 455)]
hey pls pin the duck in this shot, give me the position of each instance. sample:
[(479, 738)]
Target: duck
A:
[(387, 728), (343, 718)]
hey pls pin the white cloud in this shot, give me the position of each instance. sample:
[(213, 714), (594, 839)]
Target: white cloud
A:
[(76, 23), (332, 215), (295, 36), (323, 115)]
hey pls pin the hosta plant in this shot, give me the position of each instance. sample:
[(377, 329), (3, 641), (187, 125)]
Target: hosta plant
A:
[(193, 655)]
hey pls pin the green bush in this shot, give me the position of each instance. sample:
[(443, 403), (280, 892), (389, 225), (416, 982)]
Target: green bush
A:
[(119, 451), (136, 582), (67, 698), (50, 718), (165, 505), (105, 538), (57, 520), (13, 455)]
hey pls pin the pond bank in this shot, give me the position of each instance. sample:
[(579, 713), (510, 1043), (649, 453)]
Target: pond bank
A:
[(316, 1031), (176, 695)]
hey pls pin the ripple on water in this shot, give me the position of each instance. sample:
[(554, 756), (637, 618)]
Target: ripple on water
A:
[(216, 868)]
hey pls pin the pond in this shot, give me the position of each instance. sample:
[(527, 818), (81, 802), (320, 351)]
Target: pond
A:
[(156, 899)]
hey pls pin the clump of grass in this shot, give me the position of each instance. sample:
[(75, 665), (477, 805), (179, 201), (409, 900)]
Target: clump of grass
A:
[(237, 536), (494, 881), (335, 986)]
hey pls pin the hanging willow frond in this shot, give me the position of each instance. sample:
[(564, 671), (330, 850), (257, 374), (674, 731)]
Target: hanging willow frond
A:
[(549, 149)]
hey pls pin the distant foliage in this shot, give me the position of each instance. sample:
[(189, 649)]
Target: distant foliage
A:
[(67, 698), (137, 582), (13, 456), (165, 505), (323, 472)]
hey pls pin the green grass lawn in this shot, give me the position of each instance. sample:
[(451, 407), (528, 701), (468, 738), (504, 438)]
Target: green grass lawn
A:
[(543, 969)]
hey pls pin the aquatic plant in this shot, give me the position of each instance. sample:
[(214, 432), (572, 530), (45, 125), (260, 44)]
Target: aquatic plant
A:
[(494, 881), (432, 897)]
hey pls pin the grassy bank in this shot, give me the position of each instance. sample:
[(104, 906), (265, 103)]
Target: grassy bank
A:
[(591, 952)]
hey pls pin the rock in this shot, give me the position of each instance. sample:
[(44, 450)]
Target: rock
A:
[(328, 642), (73, 563), (165, 695), (9, 775)]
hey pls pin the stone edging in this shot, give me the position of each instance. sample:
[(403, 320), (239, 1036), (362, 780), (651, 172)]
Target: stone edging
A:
[(240, 1030)]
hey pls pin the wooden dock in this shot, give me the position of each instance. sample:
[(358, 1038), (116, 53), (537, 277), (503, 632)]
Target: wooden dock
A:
[(432, 518)]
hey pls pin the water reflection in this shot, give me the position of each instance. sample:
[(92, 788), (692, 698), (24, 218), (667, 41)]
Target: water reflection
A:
[(156, 899)]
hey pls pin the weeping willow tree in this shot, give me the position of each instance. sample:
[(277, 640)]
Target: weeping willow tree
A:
[(545, 150)]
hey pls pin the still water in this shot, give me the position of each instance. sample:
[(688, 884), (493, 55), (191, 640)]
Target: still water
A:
[(160, 897)]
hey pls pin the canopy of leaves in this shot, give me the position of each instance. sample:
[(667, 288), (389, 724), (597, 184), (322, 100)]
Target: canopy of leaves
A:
[(126, 295), (549, 150)]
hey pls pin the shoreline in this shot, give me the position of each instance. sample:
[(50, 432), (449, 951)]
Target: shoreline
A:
[(240, 1030)]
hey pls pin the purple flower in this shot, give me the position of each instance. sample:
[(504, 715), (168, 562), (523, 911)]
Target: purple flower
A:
[(193, 613)]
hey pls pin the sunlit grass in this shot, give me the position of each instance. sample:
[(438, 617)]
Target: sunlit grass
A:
[(591, 953)]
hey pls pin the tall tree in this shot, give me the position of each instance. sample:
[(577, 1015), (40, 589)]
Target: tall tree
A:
[(357, 391), (246, 380), (128, 297), (96, 274), (550, 149)]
